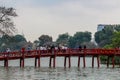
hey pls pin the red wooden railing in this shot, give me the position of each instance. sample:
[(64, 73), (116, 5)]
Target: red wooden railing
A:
[(67, 53)]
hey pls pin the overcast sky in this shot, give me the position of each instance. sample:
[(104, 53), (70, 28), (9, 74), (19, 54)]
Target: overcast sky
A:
[(54, 17)]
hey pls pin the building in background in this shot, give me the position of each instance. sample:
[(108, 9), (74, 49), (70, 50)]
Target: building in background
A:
[(100, 27)]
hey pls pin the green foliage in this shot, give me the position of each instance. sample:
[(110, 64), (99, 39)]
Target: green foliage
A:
[(104, 37), (66, 39), (18, 38), (13, 42), (108, 37), (45, 40), (117, 27), (79, 38), (103, 59), (63, 39), (6, 39), (116, 39), (110, 46), (71, 42)]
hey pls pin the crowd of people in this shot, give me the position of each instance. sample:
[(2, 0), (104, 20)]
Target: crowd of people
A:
[(50, 48)]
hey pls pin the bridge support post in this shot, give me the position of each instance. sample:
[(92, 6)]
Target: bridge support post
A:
[(92, 61), (22, 57), (69, 61), (22, 62), (50, 62), (37, 62), (108, 62), (6, 60), (98, 61), (113, 61), (53, 57), (54, 61), (78, 61), (84, 62), (6, 63), (37, 59), (65, 61)]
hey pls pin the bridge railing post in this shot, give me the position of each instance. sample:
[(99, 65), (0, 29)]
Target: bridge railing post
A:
[(37, 58), (38, 52), (23, 52), (6, 59), (69, 58), (22, 57), (84, 62)]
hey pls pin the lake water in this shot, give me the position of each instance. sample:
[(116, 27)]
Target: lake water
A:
[(29, 72)]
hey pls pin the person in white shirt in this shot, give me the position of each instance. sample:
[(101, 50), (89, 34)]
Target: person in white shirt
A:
[(8, 51)]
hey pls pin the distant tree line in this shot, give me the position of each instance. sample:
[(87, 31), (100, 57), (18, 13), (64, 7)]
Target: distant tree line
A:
[(79, 38), (108, 37)]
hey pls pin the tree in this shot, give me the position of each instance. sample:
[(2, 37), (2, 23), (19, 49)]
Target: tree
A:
[(6, 39), (18, 41), (6, 23), (12, 39), (18, 38), (45, 40), (79, 38), (14, 42), (115, 43), (104, 37), (63, 39), (71, 42), (116, 27), (116, 39)]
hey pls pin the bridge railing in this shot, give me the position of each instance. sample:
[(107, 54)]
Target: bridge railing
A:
[(62, 51), (107, 51)]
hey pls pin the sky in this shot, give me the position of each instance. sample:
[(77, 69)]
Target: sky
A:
[(54, 17)]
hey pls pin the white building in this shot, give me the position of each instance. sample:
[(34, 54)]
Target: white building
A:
[(100, 27)]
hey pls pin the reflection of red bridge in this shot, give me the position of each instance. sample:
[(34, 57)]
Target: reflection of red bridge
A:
[(37, 54)]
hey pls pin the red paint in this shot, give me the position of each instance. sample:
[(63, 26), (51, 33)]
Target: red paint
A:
[(79, 61), (67, 54)]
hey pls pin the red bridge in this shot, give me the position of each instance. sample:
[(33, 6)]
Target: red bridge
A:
[(68, 53)]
